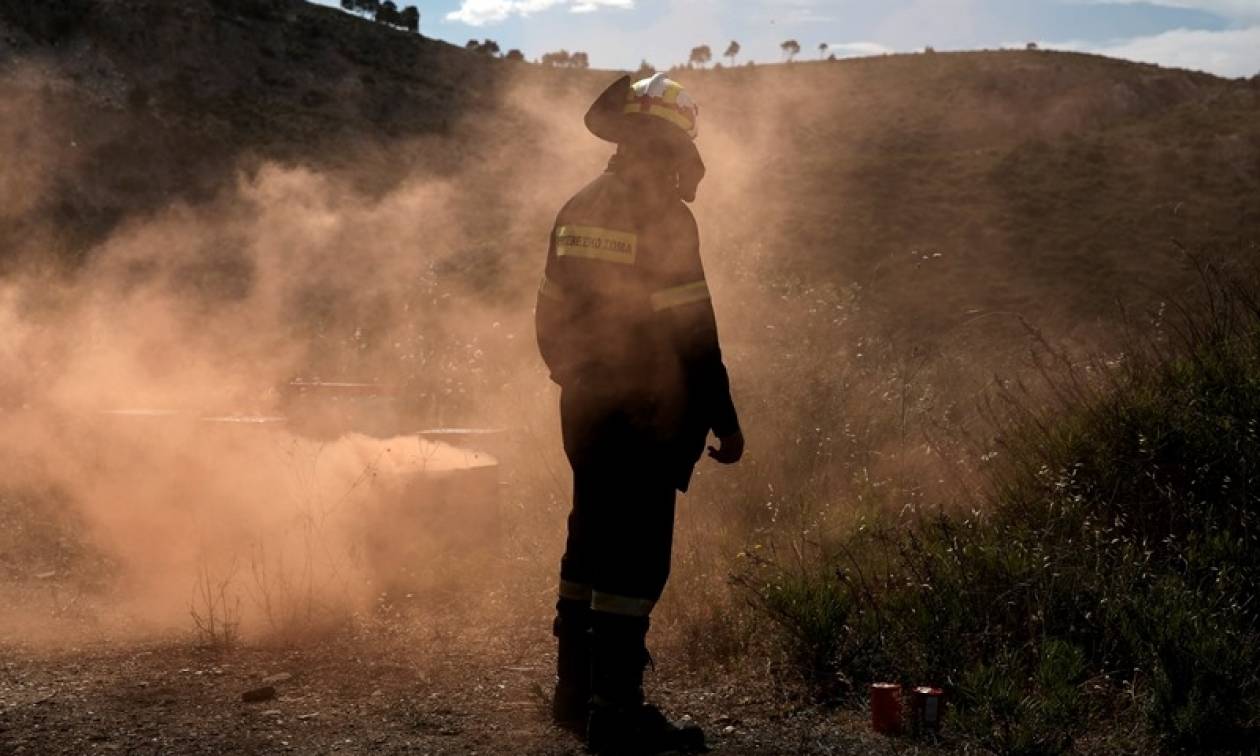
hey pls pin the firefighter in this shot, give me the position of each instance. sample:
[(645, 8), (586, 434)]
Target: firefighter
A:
[(626, 327)]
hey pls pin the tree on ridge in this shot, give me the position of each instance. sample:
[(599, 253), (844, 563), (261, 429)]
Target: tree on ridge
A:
[(700, 56), (409, 18)]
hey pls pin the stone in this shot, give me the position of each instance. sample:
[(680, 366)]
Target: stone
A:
[(265, 693)]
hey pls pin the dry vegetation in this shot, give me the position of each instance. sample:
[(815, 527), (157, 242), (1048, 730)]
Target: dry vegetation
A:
[(292, 192)]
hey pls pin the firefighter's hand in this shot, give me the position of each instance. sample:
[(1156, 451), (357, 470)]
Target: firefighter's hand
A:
[(730, 449)]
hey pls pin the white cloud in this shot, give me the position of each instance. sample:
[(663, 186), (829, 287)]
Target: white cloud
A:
[(590, 6), (857, 49), (1232, 52), (482, 12)]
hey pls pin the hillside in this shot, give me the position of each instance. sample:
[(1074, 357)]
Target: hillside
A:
[(1042, 183), (156, 101)]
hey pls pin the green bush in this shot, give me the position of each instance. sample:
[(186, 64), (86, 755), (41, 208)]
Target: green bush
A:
[(1119, 545), (1024, 704), (815, 613)]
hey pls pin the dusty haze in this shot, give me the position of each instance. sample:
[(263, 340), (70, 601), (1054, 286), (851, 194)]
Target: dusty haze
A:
[(144, 389), (857, 370)]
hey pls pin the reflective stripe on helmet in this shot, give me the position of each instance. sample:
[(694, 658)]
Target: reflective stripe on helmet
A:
[(596, 243), (666, 99), (626, 606), (696, 291)]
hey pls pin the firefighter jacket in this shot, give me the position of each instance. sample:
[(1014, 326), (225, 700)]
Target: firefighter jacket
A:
[(624, 313)]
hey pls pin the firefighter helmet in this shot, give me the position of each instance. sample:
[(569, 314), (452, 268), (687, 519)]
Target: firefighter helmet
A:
[(657, 106)]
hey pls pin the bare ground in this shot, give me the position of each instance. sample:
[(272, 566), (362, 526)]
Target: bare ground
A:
[(388, 689)]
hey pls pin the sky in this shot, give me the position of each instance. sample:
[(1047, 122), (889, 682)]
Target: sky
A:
[(1218, 36)]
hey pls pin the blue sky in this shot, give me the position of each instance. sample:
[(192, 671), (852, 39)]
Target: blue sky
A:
[(1220, 36)]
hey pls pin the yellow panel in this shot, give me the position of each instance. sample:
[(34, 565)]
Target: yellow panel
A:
[(596, 243)]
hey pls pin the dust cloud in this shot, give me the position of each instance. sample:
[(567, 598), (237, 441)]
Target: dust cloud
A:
[(222, 401)]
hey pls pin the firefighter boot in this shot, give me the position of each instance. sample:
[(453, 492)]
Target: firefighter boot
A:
[(570, 705), (621, 724)]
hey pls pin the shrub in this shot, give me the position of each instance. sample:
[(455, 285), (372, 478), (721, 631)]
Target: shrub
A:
[(1024, 703), (815, 615), (1118, 544), (52, 21)]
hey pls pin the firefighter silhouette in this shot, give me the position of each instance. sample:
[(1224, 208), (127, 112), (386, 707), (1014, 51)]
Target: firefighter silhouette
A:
[(626, 326)]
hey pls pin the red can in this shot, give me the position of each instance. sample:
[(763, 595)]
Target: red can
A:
[(928, 705), (886, 708)]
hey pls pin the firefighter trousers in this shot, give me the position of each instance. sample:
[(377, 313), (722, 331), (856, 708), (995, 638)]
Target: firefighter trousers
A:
[(621, 527), (617, 555)]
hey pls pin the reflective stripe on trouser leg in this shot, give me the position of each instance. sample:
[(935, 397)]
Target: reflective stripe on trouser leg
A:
[(574, 591), (624, 606)]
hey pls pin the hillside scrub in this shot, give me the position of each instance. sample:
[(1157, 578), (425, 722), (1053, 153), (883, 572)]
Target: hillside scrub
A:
[(1110, 576)]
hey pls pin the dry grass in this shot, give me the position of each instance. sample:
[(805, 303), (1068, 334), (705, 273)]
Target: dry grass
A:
[(1102, 592)]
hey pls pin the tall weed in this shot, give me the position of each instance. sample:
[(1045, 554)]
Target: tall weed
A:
[(1117, 545)]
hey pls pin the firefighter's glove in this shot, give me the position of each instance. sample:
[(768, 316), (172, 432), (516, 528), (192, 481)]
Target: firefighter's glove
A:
[(730, 449)]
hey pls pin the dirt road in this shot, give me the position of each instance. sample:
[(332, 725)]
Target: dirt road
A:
[(394, 691)]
